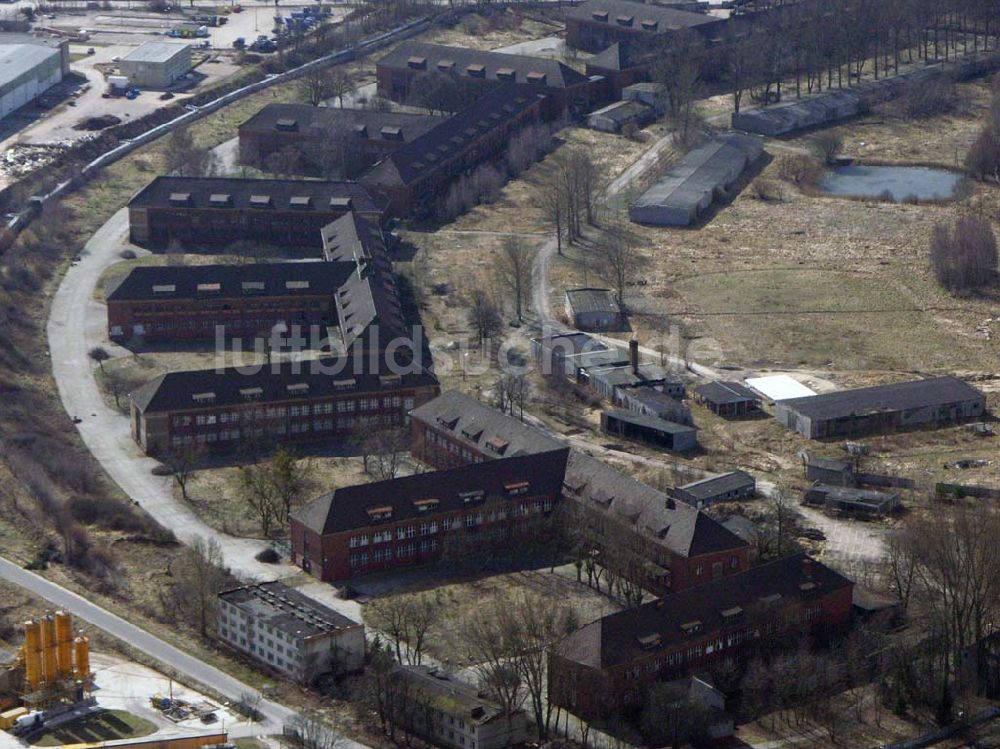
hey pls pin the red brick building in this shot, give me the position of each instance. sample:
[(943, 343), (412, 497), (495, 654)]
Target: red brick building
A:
[(171, 303), (611, 662), (410, 520), (222, 410), (369, 135), (686, 547), (225, 210), (419, 173)]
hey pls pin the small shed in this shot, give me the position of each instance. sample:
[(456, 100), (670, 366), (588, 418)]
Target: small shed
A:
[(851, 500), (728, 399), (652, 402), (593, 309), (831, 471), (649, 429), (726, 487), (614, 117), (778, 387)]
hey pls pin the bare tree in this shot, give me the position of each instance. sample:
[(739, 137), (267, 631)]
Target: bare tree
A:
[(408, 620), (552, 200), (182, 463), (620, 261), (484, 315), (509, 393), (513, 269), (320, 84), (198, 575), (100, 355), (384, 450), (185, 158), (964, 258)]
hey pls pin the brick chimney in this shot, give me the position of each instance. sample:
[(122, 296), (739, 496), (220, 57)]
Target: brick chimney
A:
[(633, 354), (807, 567)]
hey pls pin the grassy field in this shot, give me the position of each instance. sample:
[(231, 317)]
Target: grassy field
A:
[(107, 725)]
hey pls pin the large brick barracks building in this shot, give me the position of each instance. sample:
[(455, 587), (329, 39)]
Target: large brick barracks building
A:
[(410, 520), (610, 663), (685, 547), (189, 302), (224, 210), (290, 402), (597, 24)]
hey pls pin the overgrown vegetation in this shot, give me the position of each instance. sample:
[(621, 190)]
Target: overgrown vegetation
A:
[(964, 256)]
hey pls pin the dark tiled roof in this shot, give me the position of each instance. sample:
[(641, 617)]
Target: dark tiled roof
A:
[(666, 19), (716, 485), (198, 192), (557, 74), (679, 527), (614, 640), (726, 392), (369, 296), (304, 118), (176, 391), (286, 609), (930, 392), (653, 399), (347, 508), (620, 56), (572, 342), (592, 300), (147, 282), (455, 135), (436, 689)]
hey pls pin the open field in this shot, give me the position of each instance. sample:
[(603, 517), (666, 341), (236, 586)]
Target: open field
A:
[(107, 725)]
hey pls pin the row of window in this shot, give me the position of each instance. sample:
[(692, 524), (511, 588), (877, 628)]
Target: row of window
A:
[(280, 412), (290, 305), (386, 554), (296, 427)]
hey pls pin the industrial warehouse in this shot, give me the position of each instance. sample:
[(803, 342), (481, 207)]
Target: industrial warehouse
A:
[(29, 66)]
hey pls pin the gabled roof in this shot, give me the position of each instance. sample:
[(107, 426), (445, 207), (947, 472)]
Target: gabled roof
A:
[(437, 492), (314, 196), (929, 392), (680, 528), (666, 19), (444, 59), (726, 392), (592, 300), (211, 388), (439, 691), (304, 118), (171, 282), (721, 484), (454, 136), (654, 423), (658, 625)]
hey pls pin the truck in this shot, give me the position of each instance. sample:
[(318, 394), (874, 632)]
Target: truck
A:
[(27, 723), (117, 84)]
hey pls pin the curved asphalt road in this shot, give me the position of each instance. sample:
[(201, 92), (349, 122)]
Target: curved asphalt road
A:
[(76, 324)]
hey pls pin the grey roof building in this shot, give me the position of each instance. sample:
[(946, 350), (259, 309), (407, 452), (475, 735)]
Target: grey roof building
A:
[(156, 64), (933, 401), (690, 187), (649, 429), (28, 68), (568, 353), (289, 632), (615, 116), (851, 499), (652, 402), (726, 487), (593, 309), (728, 399)]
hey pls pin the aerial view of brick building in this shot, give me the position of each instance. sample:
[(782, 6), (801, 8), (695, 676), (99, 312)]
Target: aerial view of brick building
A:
[(419, 173), (685, 547), (366, 135), (291, 402), (225, 210), (409, 520), (164, 303), (597, 24), (609, 663)]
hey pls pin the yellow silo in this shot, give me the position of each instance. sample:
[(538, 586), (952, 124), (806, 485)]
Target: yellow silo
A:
[(32, 655), (64, 642), (50, 669), (82, 645)]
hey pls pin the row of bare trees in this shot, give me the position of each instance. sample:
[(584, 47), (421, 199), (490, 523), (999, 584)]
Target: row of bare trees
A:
[(815, 44)]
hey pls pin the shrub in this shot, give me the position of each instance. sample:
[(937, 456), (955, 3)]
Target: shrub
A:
[(983, 159), (127, 255), (268, 556), (964, 258), (767, 190), (799, 170), (828, 145), (930, 98)]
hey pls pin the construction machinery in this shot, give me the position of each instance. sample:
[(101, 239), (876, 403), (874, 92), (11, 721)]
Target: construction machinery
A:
[(53, 667)]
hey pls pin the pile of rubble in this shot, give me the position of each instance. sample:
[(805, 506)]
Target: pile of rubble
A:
[(21, 159)]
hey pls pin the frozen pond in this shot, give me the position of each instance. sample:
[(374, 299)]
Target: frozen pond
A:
[(895, 183)]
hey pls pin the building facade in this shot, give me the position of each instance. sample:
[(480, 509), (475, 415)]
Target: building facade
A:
[(610, 663), (593, 309), (28, 68), (725, 487), (204, 301), (284, 630), (415, 519), (222, 410), (228, 210), (450, 713), (156, 64)]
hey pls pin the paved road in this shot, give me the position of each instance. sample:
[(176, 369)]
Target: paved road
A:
[(76, 324), (274, 715)]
